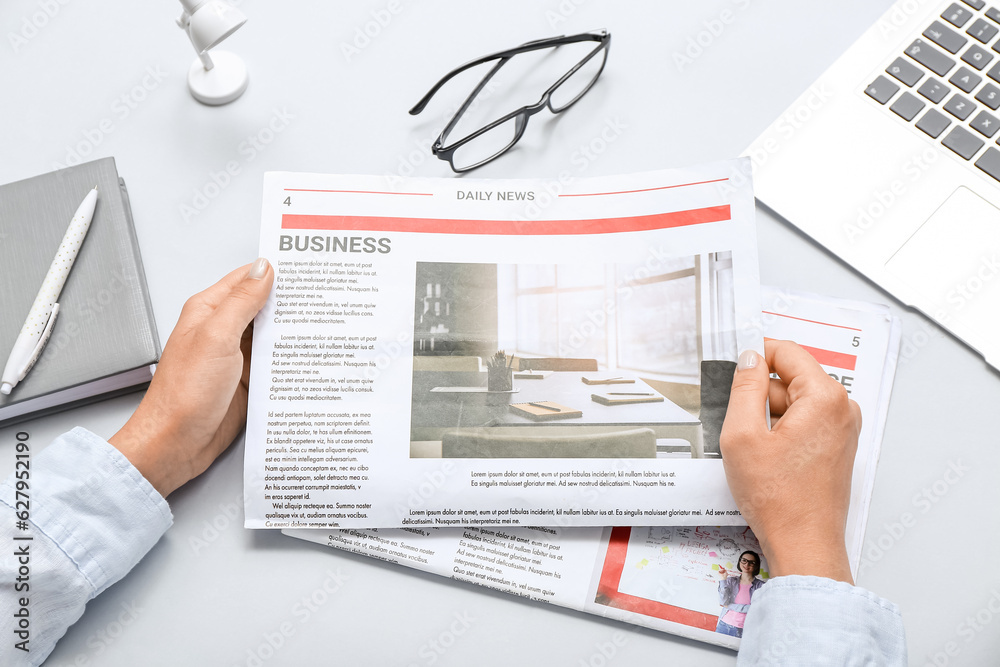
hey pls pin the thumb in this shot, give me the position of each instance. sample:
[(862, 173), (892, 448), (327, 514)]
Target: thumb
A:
[(245, 299), (746, 414)]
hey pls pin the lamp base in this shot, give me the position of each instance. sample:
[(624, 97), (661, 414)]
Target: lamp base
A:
[(223, 83)]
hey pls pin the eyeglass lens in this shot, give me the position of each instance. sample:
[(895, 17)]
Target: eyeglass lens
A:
[(497, 140), (573, 88)]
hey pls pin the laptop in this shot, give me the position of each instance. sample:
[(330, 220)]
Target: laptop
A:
[(891, 161)]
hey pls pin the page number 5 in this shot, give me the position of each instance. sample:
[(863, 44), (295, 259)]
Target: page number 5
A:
[(856, 342)]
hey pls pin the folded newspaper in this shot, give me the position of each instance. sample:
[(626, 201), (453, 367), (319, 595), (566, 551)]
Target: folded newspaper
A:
[(666, 578), (444, 352)]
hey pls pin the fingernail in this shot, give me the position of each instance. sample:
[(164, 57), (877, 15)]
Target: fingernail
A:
[(259, 269), (748, 359)]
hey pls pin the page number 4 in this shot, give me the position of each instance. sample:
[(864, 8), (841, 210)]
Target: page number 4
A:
[(288, 201)]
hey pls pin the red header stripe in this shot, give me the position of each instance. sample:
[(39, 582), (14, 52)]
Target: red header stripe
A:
[(802, 319), (831, 358), (638, 223), (363, 192), (629, 192)]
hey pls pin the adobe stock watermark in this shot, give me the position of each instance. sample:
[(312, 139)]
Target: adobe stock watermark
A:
[(421, 492), (790, 122), (966, 290), (301, 612), (923, 501), (32, 24), (212, 529), (605, 652), (883, 199), (434, 648), (246, 152), (123, 106), (101, 640), (972, 626), (562, 12), (97, 306), (370, 30), (582, 157), (407, 163), (595, 320), (777, 650), (704, 39)]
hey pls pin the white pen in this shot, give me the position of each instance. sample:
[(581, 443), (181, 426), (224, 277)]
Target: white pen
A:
[(42, 316)]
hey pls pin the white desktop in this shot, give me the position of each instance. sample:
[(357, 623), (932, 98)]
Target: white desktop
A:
[(330, 86)]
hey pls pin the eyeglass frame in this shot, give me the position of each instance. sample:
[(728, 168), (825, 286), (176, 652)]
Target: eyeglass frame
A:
[(751, 562), (524, 113)]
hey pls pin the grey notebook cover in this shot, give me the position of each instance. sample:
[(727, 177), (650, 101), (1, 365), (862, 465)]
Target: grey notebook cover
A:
[(105, 325)]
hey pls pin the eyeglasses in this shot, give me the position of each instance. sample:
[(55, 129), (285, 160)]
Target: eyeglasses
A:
[(747, 561), (490, 142)]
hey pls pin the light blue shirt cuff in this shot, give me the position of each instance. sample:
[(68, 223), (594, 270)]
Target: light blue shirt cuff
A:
[(817, 621), (92, 502)]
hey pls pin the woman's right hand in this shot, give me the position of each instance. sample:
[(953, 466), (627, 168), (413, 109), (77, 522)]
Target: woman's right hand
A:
[(792, 483)]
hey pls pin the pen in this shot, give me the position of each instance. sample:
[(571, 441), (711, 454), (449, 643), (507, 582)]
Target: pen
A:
[(42, 317), (545, 407), (631, 393)]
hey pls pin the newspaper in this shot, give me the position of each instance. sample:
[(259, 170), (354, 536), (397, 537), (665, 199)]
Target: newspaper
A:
[(477, 352), (662, 577)]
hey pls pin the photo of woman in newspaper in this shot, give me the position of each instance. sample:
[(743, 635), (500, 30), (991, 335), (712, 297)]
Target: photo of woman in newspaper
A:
[(736, 593), (597, 361)]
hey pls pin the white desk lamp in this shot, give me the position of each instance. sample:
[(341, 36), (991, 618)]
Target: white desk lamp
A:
[(207, 23)]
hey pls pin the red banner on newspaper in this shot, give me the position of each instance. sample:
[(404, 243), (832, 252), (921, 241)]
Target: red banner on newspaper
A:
[(639, 223)]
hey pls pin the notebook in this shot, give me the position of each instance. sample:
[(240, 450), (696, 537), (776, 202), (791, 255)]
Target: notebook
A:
[(104, 340), (891, 161), (544, 410)]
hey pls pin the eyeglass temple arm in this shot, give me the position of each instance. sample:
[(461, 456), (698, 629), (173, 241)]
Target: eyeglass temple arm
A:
[(504, 56)]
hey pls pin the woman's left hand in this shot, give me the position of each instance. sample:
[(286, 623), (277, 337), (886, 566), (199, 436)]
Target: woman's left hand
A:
[(197, 402)]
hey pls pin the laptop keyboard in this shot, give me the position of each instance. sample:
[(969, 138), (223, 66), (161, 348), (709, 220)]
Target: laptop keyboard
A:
[(947, 83)]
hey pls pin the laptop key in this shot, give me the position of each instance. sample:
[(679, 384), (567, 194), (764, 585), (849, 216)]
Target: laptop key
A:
[(975, 4), (985, 124), (907, 106), (983, 30), (990, 162), (993, 13), (959, 107), (990, 96), (935, 91), (977, 56), (905, 71), (933, 123), (881, 90), (956, 15), (965, 79), (963, 142), (929, 57), (945, 37)]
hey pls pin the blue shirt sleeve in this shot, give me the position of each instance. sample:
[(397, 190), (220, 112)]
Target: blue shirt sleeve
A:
[(93, 516), (798, 620)]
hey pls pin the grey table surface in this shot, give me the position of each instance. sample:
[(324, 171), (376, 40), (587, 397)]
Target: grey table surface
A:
[(324, 96)]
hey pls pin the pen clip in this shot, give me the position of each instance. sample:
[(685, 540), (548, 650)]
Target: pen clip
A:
[(42, 340)]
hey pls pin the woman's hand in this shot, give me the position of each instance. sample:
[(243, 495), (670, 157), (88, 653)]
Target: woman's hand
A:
[(197, 402), (792, 483)]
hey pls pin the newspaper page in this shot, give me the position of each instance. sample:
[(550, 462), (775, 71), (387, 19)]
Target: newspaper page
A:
[(663, 577), (449, 352)]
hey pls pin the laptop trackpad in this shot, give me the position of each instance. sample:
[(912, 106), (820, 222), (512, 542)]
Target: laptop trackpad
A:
[(953, 260)]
